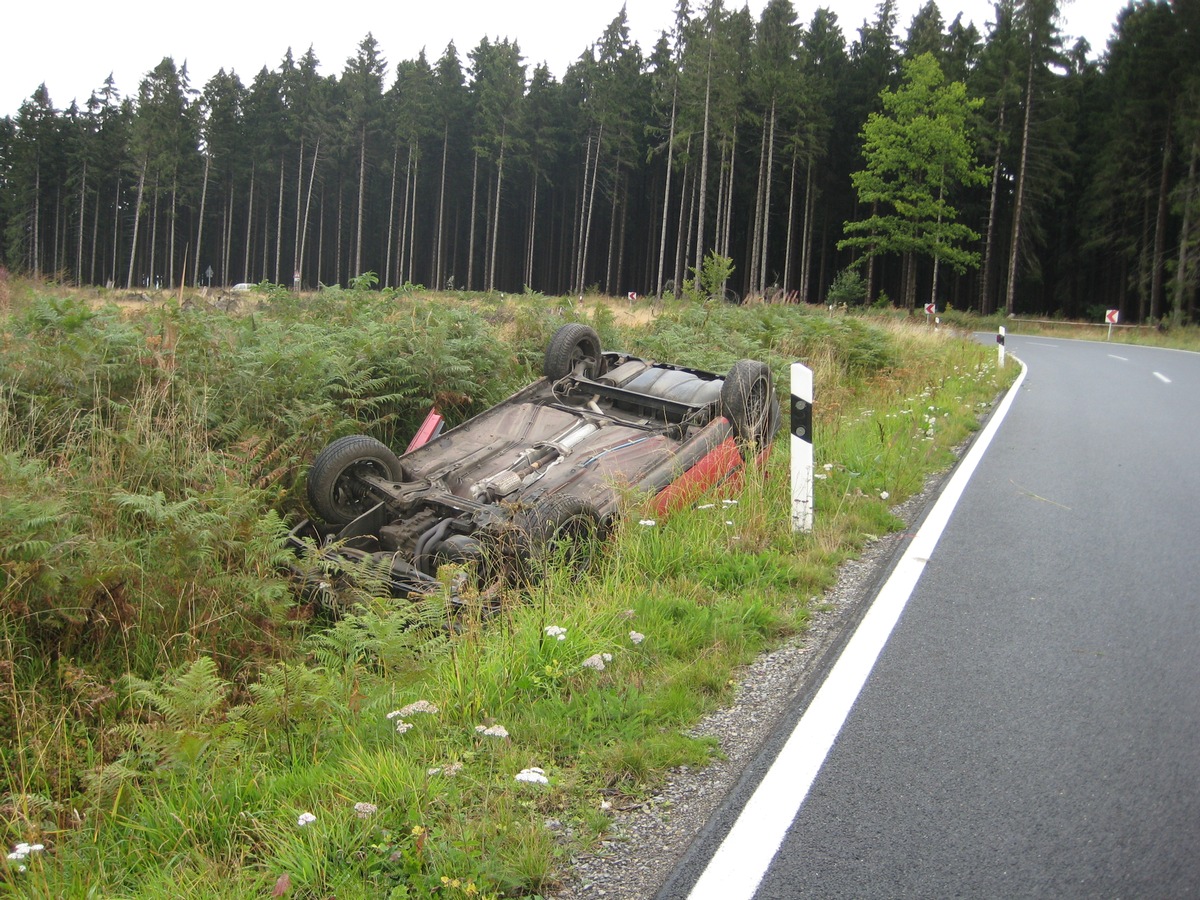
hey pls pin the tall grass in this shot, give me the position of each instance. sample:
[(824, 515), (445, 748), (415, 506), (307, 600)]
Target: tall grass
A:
[(182, 725)]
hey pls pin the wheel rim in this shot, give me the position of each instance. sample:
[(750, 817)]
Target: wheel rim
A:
[(349, 493), (584, 354)]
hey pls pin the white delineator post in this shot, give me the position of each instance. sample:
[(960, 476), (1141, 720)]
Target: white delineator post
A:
[(1000, 344), (802, 448)]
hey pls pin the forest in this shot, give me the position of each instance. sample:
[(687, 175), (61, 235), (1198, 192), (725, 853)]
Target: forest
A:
[(999, 171)]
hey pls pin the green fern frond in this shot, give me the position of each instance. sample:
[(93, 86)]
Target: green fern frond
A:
[(188, 698)]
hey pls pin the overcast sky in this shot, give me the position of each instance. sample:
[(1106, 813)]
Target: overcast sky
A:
[(72, 46)]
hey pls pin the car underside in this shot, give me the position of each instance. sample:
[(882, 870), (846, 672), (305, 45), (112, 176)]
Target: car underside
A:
[(550, 467)]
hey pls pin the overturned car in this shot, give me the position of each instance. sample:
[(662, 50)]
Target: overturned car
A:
[(545, 471)]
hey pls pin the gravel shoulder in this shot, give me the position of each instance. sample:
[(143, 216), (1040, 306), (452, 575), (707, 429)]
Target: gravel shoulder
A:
[(645, 843)]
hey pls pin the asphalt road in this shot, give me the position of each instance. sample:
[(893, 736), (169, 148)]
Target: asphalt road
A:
[(1031, 727)]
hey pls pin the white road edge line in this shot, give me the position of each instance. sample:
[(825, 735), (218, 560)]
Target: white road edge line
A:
[(739, 864), (1161, 377)]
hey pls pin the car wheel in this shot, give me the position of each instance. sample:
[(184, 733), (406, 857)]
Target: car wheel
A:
[(334, 489), (574, 345), (748, 401), (562, 529)]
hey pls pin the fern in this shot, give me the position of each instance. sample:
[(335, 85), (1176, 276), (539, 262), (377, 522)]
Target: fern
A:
[(383, 634), (190, 699), (294, 704)]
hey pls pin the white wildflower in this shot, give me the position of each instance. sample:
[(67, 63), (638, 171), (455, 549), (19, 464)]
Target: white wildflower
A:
[(594, 662), (636, 636), (305, 818), (883, 495), (607, 657), (402, 726), (365, 810), (556, 631), (492, 730), (729, 503), (532, 776), (706, 506), (648, 523), (420, 706), (24, 850)]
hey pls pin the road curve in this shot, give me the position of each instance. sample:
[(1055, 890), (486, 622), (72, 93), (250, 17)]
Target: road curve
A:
[(1032, 726)]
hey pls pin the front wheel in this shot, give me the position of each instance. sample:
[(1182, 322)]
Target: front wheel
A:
[(562, 529), (748, 400), (335, 488)]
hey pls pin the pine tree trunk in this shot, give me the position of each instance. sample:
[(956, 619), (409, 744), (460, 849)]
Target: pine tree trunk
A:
[(266, 235), (411, 202), (137, 217), (806, 236), (531, 236), (247, 273), (438, 273), (989, 247), (687, 206), (338, 232), (471, 224), (35, 256), (577, 237), (171, 231), (491, 280), (1160, 229), (727, 221), (402, 247), (116, 232), (703, 186), (590, 205), (764, 272), (791, 225), (362, 185), (227, 235), (612, 230), (200, 223), (279, 226), (153, 233), (95, 239), (312, 175), (621, 237), (296, 267), (1182, 276), (82, 216), (55, 258), (756, 232), (391, 229), (662, 243), (1010, 291)]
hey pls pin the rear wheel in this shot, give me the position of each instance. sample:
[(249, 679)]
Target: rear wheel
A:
[(574, 349), (748, 400), (335, 488)]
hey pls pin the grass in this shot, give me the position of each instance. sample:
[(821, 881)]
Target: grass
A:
[(181, 725)]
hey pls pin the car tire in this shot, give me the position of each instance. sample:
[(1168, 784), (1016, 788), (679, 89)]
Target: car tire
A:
[(748, 401), (572, 345), (333, 487), (561, 528)]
